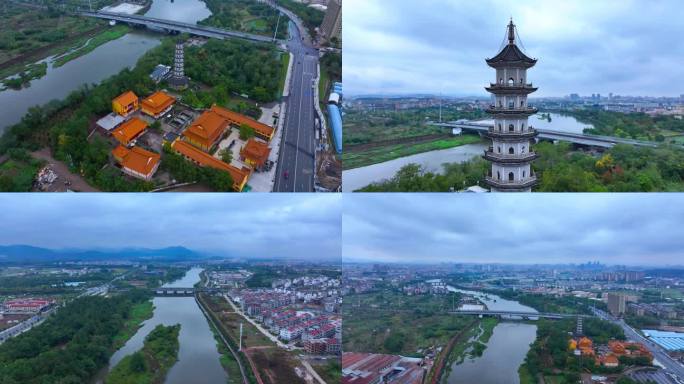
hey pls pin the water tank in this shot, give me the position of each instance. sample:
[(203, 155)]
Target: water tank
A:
[(336, 126)]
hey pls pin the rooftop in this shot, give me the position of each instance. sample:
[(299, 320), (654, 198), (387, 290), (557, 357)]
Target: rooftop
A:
[(137, 159), (159, 100), (126, 98), (238, 119), (208, 126), (239, 175), (129, 130)]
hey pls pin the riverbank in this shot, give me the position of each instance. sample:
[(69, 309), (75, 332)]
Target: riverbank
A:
[(138, 314), (86, 45), (405, 147), (149, 365)]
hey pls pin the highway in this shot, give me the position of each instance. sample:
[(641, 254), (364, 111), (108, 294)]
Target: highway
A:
[(297, 154), (669, 364), (177, 26)]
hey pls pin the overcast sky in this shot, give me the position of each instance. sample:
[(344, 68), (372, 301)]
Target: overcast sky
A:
[(628, 47), (623, 229), (240, 225)]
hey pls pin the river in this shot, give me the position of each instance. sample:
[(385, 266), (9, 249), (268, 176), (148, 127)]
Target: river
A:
[(198, 357), (357, 178), (103, 62), (506, 349), (432, 161)]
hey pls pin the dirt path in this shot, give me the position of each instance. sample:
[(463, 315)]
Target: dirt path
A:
[(77, 182)]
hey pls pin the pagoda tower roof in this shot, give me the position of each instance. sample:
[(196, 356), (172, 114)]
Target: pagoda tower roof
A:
[(511, 55)]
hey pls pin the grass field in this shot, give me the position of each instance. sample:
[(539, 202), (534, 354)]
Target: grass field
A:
[(285, 60), (352, 160), (330, 372), (390, 322)]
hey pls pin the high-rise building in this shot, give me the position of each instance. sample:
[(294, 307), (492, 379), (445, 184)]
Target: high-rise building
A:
[(332, 22), (616, 303), (178, 79), (510, 153)]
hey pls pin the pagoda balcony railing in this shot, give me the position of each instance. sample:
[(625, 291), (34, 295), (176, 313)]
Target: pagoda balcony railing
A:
[(511, 110), (525, 183), (504, 135), (509, 159), (514, 85)]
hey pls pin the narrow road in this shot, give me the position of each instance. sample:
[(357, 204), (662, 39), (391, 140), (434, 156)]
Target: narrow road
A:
[(255, 324)]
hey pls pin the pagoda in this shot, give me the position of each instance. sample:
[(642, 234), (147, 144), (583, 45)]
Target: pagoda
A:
[(178, 79), (510, 153)]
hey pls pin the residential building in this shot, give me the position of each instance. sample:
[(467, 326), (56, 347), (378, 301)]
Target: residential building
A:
[(616, 303)]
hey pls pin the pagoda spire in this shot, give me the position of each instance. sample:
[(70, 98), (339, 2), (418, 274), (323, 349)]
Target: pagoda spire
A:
[(511, 32)]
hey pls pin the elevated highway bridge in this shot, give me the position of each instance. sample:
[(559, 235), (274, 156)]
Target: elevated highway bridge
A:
[(177, 26), (521, 315), (551, 135)]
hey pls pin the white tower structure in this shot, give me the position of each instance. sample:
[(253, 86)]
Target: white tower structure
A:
[(511, 135)]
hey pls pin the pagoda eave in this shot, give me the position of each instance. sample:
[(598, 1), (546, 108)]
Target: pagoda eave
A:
[(512, 187), (507, 90)]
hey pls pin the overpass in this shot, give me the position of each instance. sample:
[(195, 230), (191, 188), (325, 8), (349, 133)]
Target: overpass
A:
[(551, 135), (522, 315), (177, 26)]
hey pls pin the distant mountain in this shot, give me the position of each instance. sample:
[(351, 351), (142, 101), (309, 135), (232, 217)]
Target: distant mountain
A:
[(27, 253)]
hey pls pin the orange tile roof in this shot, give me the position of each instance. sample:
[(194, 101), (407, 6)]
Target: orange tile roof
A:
[(237, 119), (158, 102), (120, 152), (239, 175), (208, 127), (126, 98), (129, 130), (611, 359), (137, 159), (256, 151)]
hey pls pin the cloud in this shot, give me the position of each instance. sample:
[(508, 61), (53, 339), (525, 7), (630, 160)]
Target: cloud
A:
[(583, 46), (241, 225), (526, 228)]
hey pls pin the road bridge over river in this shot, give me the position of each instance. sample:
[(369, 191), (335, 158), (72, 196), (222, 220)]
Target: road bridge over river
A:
[(177, 26), (521, 315), (551, 135)]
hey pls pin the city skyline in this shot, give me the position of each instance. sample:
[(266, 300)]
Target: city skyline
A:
[(239, 225), (520, 229), (584, 47)]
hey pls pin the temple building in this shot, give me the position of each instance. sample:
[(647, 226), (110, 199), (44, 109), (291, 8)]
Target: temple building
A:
[(125, 104), (261, 130), (203, 159), (206, 131), (157, 104), (137, 162), (129, 130), (510, 153), (255, 153)]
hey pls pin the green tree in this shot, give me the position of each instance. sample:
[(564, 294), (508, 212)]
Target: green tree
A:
[(246, 132)]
